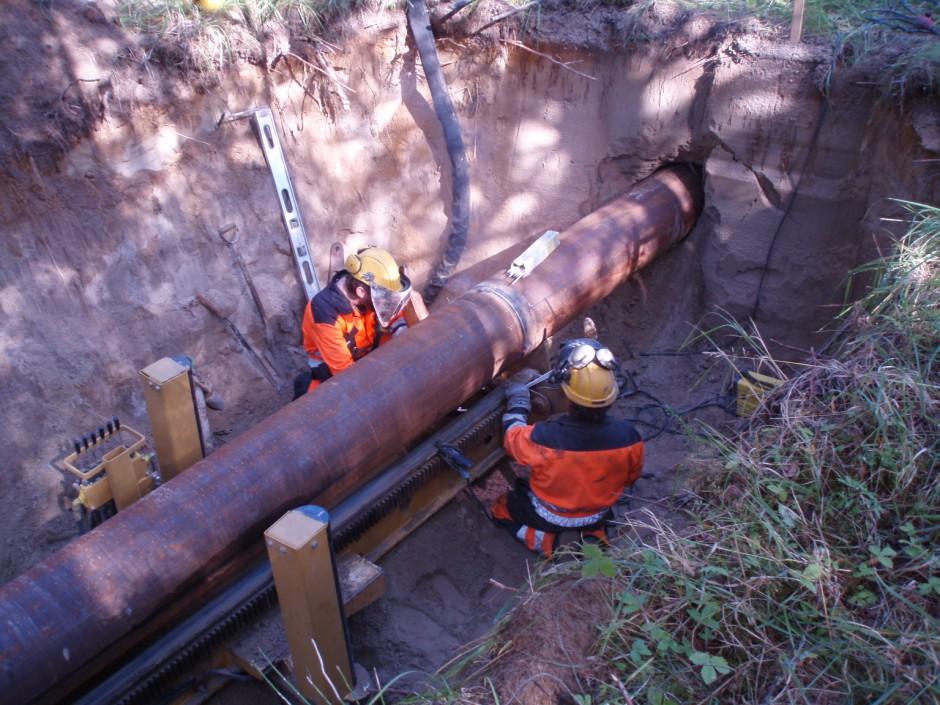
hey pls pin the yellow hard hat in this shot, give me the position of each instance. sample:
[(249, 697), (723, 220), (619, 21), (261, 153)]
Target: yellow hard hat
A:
[(210, 5), (375, 266), (592, 386), (390, 288)]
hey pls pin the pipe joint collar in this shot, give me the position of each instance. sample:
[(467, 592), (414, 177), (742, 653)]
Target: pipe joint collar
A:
[(533, 332)]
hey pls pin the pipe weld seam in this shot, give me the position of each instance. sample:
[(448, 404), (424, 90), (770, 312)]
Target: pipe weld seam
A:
[(510, 301)]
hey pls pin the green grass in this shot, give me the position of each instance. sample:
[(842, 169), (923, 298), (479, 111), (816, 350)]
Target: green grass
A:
[(821, 16), (813, 575), (861, 31), (812, 571), (161, 16)]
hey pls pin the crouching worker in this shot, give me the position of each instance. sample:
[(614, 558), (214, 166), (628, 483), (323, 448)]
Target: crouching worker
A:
[(580, 461), (359, 309)]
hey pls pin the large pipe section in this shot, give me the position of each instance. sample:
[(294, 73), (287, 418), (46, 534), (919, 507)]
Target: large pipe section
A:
[(68, 609)]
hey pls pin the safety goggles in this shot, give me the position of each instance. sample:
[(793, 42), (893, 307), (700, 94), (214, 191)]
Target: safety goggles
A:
[(578, 354), (389, 304)]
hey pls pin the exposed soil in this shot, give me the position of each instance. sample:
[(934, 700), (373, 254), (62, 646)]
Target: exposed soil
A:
[(434, 607), (116, 177)]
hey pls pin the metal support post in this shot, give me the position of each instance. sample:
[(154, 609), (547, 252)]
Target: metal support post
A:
[(171, 407), (304, 570)]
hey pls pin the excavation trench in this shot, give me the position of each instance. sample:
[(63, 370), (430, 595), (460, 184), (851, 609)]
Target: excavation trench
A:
[(110, 236)]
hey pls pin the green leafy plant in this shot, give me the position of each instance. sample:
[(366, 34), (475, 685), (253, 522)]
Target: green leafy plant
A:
[(712, 666), (596, 563)]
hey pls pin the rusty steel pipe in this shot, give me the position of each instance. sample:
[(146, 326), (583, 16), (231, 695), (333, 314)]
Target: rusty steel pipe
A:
[(66, 610)]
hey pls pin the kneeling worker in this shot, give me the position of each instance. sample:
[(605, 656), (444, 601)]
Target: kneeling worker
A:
[(581, 461), (359, 309)]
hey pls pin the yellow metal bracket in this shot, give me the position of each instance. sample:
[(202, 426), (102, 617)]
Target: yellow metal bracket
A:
[(308, 590), (119, 473), (752, 387)]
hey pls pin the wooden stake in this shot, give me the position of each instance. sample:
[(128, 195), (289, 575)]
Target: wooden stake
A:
[(796, 28)]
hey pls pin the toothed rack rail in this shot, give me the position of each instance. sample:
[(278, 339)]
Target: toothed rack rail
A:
[(369, 523)]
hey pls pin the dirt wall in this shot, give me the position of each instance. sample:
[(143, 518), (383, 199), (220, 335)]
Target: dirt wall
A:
[(110, 221)]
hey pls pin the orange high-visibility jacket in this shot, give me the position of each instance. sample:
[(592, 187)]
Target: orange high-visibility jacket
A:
[(335, 331), (579, 467)]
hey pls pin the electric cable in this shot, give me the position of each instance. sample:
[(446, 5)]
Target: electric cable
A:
[(646, 415), (808, 162)]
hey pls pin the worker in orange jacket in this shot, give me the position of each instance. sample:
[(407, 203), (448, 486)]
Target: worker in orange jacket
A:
[(360, 309), (580, 462)]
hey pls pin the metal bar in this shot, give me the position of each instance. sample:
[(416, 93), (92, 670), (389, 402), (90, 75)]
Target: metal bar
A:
[(72, 606), (535, 254), (144, 669), (263, 121), (541, 378)]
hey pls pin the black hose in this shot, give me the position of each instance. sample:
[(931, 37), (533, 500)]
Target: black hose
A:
[(810, 154), (420, 24)]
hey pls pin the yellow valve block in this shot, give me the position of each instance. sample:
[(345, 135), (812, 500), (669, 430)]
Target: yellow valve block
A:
[(752, 387)]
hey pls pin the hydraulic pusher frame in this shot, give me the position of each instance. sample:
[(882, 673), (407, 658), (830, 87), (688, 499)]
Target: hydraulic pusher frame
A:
[(73, 607)]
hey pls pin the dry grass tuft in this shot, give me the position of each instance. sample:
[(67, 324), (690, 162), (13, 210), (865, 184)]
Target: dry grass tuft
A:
[(552, 643), (183, 36)]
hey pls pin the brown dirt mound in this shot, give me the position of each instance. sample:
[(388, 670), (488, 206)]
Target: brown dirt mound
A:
[(550, 637)]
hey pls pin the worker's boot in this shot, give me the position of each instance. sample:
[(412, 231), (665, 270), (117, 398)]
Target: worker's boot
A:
[(541, 542), (301, 383), (598, 536)]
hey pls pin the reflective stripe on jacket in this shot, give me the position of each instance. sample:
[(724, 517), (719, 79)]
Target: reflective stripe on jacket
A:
[(335, 331), (579, 467)]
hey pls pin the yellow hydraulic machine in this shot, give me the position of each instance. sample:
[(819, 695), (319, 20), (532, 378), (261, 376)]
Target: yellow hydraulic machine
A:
[(113, 466), (109, 464)]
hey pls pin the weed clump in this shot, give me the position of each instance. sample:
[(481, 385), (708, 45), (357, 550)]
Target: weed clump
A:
[(210, 35)]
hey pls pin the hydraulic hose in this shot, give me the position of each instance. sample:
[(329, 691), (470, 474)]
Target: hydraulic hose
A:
[(420, 24)]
